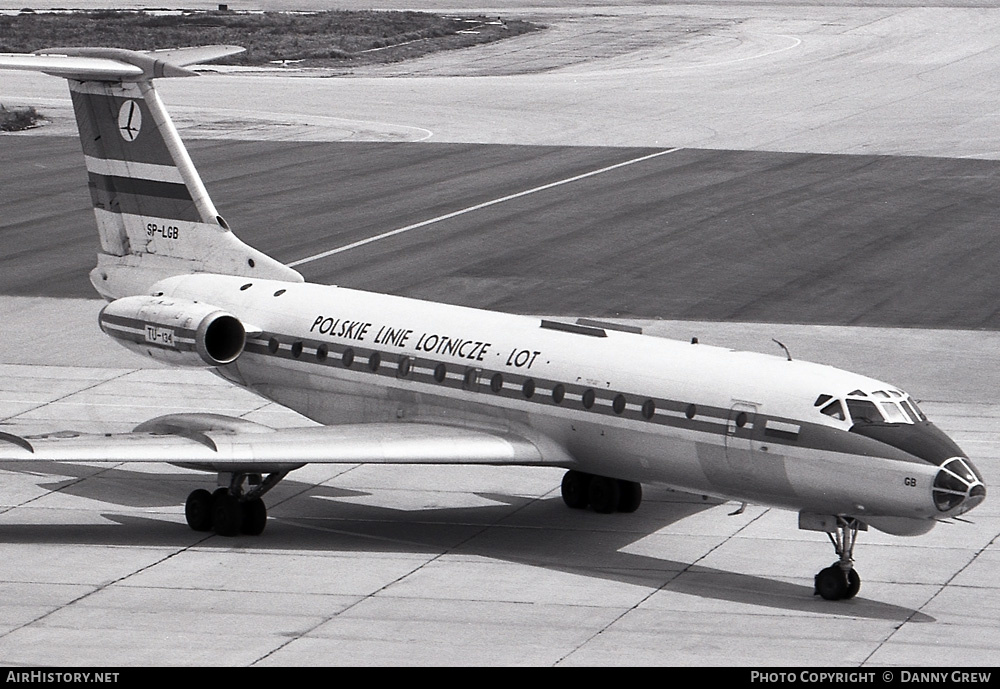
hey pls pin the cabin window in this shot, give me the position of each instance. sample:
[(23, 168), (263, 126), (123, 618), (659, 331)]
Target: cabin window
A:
[(440, 371), (528, 388), (374, 361), (648, 409), (618, 404), (347, 357), (471, 378), (496, 382), (558, 393), (404, 367), (588, 399), (741, 419), (322, 352), (272, 345), (297, 349), (691, 411)]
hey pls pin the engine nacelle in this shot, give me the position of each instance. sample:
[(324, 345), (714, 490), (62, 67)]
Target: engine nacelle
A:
[(176, 331)]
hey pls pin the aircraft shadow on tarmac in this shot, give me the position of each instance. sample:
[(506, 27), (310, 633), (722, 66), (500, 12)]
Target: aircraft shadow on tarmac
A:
[(309, 517)]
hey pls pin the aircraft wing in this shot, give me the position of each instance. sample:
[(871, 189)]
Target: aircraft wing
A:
[(215, 443)]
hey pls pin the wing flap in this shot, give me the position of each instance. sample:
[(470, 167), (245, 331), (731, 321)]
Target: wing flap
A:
[(284, 449)]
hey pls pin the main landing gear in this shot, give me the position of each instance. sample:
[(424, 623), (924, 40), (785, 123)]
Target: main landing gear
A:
[(840, 581), (606, 495), (233, 510)]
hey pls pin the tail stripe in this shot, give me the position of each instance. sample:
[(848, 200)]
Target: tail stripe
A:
[(139, 187), (120, 168), (142, 197)]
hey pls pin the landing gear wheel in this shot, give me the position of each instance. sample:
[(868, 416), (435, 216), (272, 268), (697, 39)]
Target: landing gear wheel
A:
[(576, 489), (198, 510), (853, 585), (831, 583), (840, 581), (630, 496), (227, 513), (235, 509), (604, 494), (254, 517)]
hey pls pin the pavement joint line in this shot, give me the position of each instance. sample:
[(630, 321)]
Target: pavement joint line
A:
[(478, 206), (70, 394), (54, 401), (61, 488), (102, 587), (945, 585), (416, 568), (673, 576)]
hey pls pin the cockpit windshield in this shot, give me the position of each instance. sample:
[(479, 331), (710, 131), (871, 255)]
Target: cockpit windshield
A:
[(863, 411), (877, 407)]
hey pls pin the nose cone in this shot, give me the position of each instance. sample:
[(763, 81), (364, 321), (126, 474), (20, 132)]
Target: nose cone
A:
[(958, 487)]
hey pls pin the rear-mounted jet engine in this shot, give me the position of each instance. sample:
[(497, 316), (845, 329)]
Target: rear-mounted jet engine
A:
[(176, 331)]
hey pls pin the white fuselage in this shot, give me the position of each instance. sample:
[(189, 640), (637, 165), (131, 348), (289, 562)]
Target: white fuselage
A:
[(699, 418)]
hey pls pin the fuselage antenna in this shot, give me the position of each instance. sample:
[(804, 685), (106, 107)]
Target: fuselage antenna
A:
[(787, 353)]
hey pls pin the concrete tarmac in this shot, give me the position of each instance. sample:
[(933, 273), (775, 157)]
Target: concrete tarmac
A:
[(431, 566), (484, 566)]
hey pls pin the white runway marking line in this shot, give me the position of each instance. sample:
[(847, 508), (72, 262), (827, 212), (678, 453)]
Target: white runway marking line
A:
[(478, 206), (795, 44)]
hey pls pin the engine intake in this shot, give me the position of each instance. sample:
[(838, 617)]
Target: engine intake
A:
[(176, 331)]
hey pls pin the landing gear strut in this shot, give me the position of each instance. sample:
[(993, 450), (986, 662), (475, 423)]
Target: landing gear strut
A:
[(606, 495), (232, 510), (840, 581)]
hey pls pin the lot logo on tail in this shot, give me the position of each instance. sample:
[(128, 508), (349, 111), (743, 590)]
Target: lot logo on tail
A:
[(129, 120)]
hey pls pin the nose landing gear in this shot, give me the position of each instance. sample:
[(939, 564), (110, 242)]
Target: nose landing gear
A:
[(840, 581)]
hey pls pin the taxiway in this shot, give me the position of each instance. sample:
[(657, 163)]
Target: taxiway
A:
[(845, 177)]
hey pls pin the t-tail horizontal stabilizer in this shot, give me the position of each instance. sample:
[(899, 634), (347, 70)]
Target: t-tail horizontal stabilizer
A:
[(154, 215)]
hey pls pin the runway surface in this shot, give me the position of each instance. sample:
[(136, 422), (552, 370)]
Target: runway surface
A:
[(748, 213)]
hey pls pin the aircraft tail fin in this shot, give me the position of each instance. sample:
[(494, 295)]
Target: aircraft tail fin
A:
[(154, 216)]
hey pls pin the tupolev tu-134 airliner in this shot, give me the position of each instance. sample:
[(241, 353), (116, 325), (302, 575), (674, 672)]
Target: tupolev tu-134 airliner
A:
[(402, 381)]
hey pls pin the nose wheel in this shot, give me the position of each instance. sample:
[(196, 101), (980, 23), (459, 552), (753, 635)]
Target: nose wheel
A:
[(833, 583), (840, 581)]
